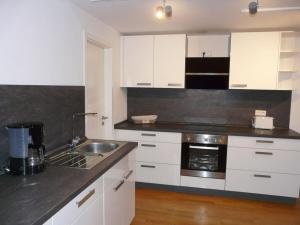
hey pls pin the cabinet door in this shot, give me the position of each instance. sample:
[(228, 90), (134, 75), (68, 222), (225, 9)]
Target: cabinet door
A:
[(129, 197), (137, 61), (169, 61), (83, 204), (211, 45), (254, 60), (92, 215), (114, 193)]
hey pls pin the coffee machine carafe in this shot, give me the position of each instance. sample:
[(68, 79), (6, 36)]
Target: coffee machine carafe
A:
[(26, 148)]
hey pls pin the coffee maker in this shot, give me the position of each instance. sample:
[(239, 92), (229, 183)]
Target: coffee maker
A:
[(26, 148)]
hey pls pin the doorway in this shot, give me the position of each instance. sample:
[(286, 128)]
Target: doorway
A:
[(98, 90)]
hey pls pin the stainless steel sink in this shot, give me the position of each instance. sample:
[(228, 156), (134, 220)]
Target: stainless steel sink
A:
[(86, 155), (98, 148)]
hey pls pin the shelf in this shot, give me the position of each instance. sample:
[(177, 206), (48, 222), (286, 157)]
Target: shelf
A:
[(288, 71), (289, 52)]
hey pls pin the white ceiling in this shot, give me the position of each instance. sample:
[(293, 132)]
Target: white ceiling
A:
[(137, 16)]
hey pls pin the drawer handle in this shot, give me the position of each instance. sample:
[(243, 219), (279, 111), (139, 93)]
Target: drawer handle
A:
[(263, 153), (119, 185), (147, 145), (262, 176), (239, 85), (147, 166), (148, 135), (85, 198), (264, 142), (129, 174), (143, 84), (174, 85)]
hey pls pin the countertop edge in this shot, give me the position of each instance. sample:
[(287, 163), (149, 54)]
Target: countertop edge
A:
[(295, 136)]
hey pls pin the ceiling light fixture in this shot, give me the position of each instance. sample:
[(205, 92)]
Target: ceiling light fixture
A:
[(163, 11)]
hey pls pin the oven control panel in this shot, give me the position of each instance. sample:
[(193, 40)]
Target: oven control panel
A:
[(205, 139)]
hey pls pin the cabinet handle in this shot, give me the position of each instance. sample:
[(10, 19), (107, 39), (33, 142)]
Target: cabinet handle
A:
[(119, 185), (143, 84), (263, 153), (148, 135), (147, 166), (239, 85), (262, 176), (129, 174), (204, 147), (147, 145), (174, 85), (264, 142), (85, 198)]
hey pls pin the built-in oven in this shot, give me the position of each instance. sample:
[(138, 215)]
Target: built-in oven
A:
[(204, 155)]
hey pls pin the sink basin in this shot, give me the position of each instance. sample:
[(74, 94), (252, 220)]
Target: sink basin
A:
[(86, 155), (98, 147)]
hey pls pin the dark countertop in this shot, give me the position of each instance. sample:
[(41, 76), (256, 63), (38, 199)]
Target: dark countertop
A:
[(210, 129), (32, 200)]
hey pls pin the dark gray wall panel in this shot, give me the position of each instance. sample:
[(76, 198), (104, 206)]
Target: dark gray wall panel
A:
[(52, 105), (229, 107)]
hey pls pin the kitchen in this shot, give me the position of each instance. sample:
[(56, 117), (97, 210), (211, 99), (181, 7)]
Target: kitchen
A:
[(225, 91)]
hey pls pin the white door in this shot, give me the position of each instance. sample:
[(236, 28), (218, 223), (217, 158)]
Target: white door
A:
[(254, 60), (95, 127), (169, 61), (137, 61)]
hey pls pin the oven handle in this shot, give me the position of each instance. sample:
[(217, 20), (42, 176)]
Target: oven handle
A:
[(204, 147)]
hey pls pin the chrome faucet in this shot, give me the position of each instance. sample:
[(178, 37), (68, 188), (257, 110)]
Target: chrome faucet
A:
[(76, 139)]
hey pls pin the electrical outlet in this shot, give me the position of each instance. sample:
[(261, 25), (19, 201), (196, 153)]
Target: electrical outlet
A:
[(260, 113)]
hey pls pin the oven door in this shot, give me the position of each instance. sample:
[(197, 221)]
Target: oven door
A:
[(203, 160)]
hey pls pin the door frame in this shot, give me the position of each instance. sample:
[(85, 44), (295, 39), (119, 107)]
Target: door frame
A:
[(108, 78)]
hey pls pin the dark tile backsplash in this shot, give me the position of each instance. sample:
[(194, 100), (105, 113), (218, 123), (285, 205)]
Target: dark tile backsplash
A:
[(52, 105), (229, 107)]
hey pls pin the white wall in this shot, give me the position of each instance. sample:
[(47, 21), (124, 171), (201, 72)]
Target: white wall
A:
[(42, 43), (295, 107)]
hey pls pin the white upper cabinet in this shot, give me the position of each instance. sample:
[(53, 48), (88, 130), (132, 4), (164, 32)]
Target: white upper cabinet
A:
[(169, 61), (153, 61), (137, 61), (254, 60), (209, 45)]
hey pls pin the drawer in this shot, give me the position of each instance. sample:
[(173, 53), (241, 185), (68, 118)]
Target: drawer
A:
[(264, 143), (148, 136), (269, 160), (167, 153), (199, 182), (262, 183), (157, 173), (79, 204)]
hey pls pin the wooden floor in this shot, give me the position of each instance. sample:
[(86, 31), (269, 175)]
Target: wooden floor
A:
[(160, 207)]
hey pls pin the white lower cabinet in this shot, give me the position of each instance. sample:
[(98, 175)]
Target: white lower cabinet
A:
[(268, 166), (285, 185), (85, 209), (158, 155), (119, 192), (158, 173), (110, 200), (276, 161)]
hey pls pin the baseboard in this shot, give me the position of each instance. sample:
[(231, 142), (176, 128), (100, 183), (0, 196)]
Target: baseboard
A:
[(201, 191)]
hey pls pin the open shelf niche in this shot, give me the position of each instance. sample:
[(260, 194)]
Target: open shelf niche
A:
[(289, 52)]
